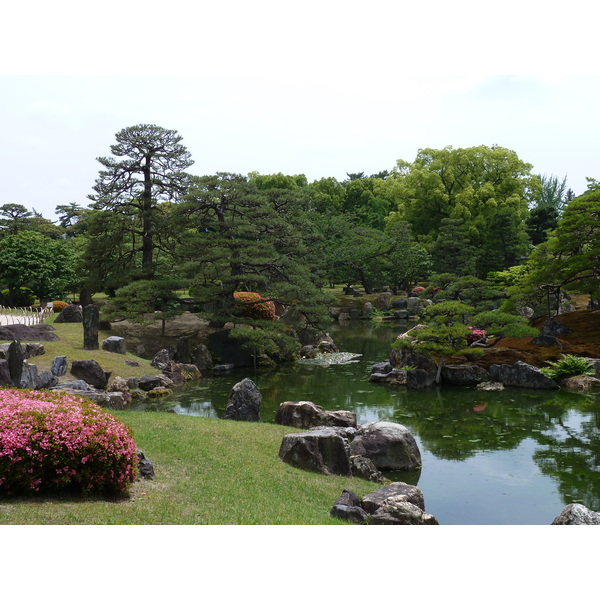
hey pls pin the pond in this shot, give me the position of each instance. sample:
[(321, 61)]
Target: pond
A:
[(511, 457)]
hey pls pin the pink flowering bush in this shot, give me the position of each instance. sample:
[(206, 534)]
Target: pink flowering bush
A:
[(418, 289), (257, 306), (476, 335), (51, 442)]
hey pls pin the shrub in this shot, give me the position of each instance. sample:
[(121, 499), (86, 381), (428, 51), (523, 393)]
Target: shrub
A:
[(568, 366), (22, 296), (58, 305), (476, 335), (418, 289), (52, 442), (256, 307)]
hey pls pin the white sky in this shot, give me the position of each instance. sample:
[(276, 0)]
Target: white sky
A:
[(321, 88)]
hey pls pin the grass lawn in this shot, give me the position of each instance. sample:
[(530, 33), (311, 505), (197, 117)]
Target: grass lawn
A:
[(208, 472)]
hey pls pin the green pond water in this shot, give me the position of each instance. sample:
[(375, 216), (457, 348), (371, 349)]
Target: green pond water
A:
[(511, 457)]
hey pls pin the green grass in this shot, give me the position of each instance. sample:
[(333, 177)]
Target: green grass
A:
[(208, 471)]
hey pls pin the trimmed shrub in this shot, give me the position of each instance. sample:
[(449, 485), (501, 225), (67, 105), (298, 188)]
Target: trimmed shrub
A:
[(52, 442), (22, 297), (256, 307), (59, 305)]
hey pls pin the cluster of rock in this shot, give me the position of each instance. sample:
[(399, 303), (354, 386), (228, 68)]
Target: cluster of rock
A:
[(399, 308), (90, 380), (394, 504), (407, 367)]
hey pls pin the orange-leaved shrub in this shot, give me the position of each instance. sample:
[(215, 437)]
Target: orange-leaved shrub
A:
[(256, 307), (58, 305), (52, 442)]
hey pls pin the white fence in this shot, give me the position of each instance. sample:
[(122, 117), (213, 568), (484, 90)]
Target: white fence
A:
[(24, 316)]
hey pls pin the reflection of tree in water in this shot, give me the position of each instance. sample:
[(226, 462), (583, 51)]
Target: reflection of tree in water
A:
[(572, 455), (456, 423)]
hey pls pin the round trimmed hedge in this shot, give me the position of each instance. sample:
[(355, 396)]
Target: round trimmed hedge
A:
[(256, 307), (53, 442)]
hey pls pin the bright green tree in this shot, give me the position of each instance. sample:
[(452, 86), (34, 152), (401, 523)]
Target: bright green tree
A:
[(29, 259)]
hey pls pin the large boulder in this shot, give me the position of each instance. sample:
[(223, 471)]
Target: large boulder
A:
[(348, 508), (577, 514), (468, 374), (398, 512), (91, 372), (114, 343), (304, 415), (119, 384), (151, 382), (553, 327), (202, 358), (5, 378), (522, 375), (389, 445), (41, 333), (72, 313), (59, 365), (244, 402), (405, 492), (46, 379), (319, 450), (394, 504)]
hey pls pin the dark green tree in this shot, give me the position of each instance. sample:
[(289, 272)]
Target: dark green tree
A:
[(148, 171)]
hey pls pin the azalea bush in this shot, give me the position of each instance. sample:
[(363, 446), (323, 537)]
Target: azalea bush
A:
[(476, 335), (51, 442), (418, 289), (256, 307)]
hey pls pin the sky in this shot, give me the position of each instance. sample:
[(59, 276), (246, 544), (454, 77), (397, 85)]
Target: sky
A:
[(320, 88)]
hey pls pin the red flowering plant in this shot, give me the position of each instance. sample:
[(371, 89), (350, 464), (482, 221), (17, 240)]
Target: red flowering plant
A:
[(256, 307), (52, 442), (476, 335), (418, 289)]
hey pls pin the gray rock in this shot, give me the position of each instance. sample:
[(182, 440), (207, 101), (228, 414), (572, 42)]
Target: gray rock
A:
[(415, 306), (367, 309), (77, 385), (46, 379), (384, 301), (393, 377), (388, 445), (577, 514), (464, 374), (318, 450), (173, 371), (490, 386), (73, 313), (398, 512), (522, 375), (403, 491), (354, 514), (546, 340), (244, 402), (581, 383), (554, 327), (161, 359), (29, 376), (5, 378), (149, 382), (401, 314), (59, 366), (118, 384), (419, 379), (91, 372), (399, 304), (363, 467), (146, 468), (382, 367), (115, 344), (304, 415), (15, 360)]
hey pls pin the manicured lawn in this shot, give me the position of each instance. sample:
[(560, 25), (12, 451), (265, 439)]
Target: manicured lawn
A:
[(208, 471)]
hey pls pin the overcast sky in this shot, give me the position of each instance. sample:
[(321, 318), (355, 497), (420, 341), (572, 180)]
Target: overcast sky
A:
[(326, 89)]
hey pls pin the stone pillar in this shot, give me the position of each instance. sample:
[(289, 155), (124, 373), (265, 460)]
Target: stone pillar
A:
[(15, 357), (91, 317)]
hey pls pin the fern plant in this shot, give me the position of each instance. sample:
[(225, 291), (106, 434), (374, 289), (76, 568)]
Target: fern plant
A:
[(568, 366)]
